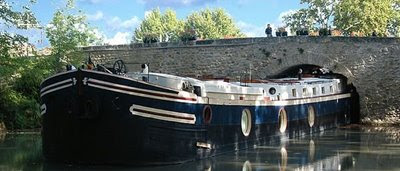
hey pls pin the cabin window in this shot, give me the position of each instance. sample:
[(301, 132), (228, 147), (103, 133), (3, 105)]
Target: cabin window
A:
[(305, 92), (331, 89), (323, 90), (294, 93), (197, 90), (246, 122), (314, 91)]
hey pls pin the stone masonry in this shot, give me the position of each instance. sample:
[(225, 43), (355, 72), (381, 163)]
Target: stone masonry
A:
[(371, 64)]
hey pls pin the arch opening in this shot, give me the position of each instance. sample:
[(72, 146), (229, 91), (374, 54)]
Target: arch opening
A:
[(311, 70)]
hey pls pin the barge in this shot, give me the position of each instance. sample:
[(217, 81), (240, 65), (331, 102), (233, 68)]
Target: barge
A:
[(108, 116)]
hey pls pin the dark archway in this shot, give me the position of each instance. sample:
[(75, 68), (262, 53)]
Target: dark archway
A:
[(310, 70)]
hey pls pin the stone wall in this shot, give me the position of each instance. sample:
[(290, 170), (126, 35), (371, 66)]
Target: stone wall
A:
[(371, 64)]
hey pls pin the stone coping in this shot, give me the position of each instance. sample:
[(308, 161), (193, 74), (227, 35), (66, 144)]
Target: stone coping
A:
[(241, 41)]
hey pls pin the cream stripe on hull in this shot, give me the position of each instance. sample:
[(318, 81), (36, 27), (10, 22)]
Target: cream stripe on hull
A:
[(160, 114)]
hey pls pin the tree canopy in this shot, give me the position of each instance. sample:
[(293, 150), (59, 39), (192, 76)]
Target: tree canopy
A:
[(10, 43), (378, 17), (207, 24), (67, 31), (365, 16), (164, 27), (212, 24), (20, 76)]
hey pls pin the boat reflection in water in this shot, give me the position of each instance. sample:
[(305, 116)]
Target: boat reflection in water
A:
[(322, 151), (317, 152), (340, 149)]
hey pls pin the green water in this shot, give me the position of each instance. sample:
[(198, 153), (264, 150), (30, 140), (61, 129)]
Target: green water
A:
[(365, 148)]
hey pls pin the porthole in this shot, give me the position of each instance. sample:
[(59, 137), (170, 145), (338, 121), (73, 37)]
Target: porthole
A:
[(207, 114), (311, 116), (246, 122), (282, 120), (272, 90)]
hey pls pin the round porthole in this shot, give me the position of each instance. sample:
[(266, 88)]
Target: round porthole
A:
[(272, 91), (311, 116), (246, 122), (207, 114), (282, 120)]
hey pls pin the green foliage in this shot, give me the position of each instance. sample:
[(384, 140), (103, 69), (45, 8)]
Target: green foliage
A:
[(160, 27), (212, 24), (318, 15), (364, 16), (321, 11), (67, 31), (20, 76), (300, 20), (207, 24), (19, 107), (188, 35), (394, 23)]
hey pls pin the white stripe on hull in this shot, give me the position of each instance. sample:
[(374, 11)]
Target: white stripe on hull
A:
[(166, 114), (56, 89), (43, 109), (139, 94), (55, 84), (130, 88)]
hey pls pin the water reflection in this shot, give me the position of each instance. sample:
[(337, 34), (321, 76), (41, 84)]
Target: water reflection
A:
[(20, 152), (363, 148)]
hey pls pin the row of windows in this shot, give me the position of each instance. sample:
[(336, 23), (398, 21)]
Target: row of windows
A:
[(314, 91)]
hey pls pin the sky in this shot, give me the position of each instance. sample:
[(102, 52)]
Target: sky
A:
[(116, 20)]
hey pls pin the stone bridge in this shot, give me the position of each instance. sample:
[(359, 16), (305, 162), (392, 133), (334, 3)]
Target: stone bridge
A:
[(372, 65)]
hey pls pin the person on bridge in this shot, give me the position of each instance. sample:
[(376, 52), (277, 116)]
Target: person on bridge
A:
[(268, 30)]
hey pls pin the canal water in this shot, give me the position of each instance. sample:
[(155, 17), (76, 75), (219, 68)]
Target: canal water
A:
[(359, 148)]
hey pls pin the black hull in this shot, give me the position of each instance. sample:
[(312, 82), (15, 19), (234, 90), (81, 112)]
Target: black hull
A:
[(92, 126)]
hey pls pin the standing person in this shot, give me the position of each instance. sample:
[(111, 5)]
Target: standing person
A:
[(268, 30)]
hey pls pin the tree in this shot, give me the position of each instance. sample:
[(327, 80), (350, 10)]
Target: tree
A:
[(10, 42), (322, 11), (299, 20), (163, 27), (20, 76), (67, 31), (172, 26), (394, 23), (367, 17), (318, 15), (208, 24), (212, 24)]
